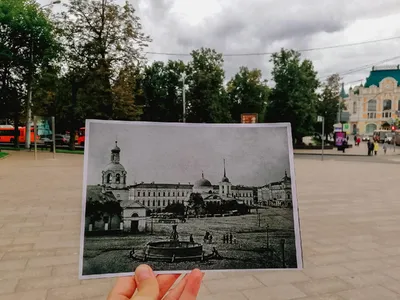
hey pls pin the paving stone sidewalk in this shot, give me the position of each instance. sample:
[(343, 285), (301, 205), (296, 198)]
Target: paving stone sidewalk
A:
[(349, 220)]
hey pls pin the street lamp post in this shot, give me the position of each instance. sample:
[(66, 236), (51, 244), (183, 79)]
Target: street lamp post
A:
[(29, 100), (184, 97)]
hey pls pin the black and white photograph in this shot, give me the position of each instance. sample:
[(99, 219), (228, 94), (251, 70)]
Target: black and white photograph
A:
[(179, 196)]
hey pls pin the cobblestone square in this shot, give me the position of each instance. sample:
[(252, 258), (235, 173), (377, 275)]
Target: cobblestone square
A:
[(349, 218)]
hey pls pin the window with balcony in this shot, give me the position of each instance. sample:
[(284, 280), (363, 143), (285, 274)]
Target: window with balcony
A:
[(386, 108), (371, 109)]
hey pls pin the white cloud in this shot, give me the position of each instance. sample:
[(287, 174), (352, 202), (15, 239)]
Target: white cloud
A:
[(233, 26)]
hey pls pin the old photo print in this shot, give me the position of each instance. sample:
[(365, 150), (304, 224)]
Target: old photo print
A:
[(180, 196)]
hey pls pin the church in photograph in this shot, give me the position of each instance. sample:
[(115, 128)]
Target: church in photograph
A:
[(135, 200)]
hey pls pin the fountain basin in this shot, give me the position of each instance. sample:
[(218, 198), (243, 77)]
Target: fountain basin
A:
[(173, 250)]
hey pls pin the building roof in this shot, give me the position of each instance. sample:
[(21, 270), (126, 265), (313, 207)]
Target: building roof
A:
[(131, 204), (378, 74), (202, 182), (114, 167), (162, 185)]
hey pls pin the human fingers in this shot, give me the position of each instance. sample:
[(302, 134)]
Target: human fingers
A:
[(177, 291), (165, 282), (147, 284), (192, 286), (123, 289)]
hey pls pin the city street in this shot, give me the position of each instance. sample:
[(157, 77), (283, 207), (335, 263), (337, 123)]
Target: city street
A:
[(349, 221)]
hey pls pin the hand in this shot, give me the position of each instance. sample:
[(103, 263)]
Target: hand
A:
[(152, 287)]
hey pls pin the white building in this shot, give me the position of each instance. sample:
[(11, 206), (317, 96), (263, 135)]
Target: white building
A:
[(276, 194)]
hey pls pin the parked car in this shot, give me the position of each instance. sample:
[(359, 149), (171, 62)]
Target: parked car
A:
[(365, 138), (61, 139)]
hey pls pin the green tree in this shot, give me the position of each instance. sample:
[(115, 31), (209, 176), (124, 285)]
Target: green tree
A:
[(161, 91), (103, 43), (196, 203), (248, 93), (176, 208), (208, 101), (294, 98), (328, 104), (27, 43)]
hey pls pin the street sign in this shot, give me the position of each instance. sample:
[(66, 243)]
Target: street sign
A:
[(337, 127), (346, 127), (320, 119), (249, 118)]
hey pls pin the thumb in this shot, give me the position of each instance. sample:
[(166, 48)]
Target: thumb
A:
[(147, 284)]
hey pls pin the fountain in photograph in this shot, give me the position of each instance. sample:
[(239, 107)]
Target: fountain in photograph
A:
[(173, 250)]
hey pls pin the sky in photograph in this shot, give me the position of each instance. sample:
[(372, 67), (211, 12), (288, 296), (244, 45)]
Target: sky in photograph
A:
[(172, 154), (258, 26)]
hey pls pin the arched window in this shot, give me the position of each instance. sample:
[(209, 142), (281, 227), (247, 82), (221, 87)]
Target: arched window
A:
[(117, 178), (109, 178), (387, 107), (354, 107), (387, 104), (370, 128), (372, 109), (135, 215)]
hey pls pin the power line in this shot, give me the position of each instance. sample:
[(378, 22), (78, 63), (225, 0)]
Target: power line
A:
[(354, 70), (270, 53)]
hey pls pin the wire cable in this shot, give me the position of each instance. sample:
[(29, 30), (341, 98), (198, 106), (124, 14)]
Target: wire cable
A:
[(270, 53)]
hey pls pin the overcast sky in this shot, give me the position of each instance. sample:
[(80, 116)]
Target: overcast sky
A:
[(254, 26), (172, 154)]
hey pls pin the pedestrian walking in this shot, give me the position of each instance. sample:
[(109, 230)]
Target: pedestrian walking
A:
[(355, 139), (230, 237), (384, 148), (358, 141), (376, 148)]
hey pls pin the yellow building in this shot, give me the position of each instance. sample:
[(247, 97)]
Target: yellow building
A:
[(375, 104)]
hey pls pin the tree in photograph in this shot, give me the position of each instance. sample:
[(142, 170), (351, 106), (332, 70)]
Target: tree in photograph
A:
[(328, 104), (248, 93), (207, 100), (294, 98), (175, 208), (94, 211), (113, 209), (195, 203)]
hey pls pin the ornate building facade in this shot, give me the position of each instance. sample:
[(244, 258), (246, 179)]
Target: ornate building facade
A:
[(375, 104), (276, 194)]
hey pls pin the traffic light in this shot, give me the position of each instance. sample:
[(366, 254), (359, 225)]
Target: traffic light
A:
[(393, 128)]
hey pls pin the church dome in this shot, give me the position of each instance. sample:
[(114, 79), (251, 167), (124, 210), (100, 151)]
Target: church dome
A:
[(202, 182), (116, 149), (114, 167), (225, 179)]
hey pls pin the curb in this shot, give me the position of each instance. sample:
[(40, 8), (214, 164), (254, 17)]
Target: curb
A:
[(331, 154)]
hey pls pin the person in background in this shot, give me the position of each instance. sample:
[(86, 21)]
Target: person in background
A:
[(376, 147), (355, 139), (152, 287), (358, 141), (384, 148)]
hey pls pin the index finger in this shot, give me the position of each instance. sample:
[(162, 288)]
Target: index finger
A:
[(193, 283), (123, 289)]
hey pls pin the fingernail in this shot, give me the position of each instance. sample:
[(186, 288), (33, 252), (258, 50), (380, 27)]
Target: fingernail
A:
[(143, 272)]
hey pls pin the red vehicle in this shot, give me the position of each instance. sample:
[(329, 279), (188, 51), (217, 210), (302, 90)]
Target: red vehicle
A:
[(7, 135), (81, 136)]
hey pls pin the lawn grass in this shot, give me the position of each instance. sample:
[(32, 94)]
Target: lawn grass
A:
[(110, 254), (69, 151), (3, 154)]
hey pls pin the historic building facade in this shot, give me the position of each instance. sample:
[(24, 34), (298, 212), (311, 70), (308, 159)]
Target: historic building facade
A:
[(135, 200), (375, 104), (276, 194)]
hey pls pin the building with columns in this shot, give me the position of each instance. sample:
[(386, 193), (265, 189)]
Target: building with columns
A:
[(276, 194), (375, 104)]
